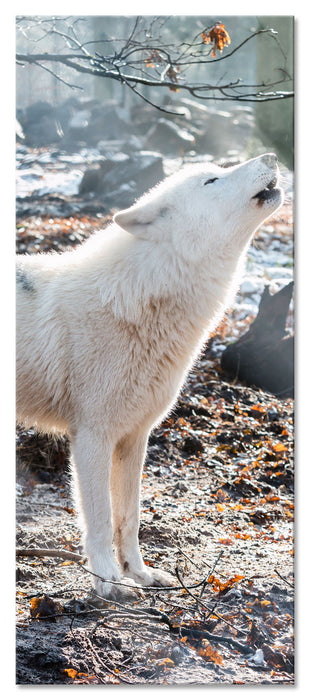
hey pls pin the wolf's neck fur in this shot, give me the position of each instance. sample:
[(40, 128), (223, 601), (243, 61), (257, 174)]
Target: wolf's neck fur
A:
[(132, 273), (134, 276)]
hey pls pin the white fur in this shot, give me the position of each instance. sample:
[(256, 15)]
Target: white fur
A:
[(106, 334)]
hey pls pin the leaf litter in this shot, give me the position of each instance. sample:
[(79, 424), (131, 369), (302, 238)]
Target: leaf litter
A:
[(217, 510)]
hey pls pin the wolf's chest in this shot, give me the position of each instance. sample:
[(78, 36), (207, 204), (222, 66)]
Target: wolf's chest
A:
[(155, 369)]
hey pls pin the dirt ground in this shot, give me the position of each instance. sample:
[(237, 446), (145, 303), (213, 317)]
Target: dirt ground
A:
[(217, 505), (217, 509)]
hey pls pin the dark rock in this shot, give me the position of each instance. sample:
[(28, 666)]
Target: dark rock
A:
[(44, 132), (91, 181), (98, 121), (121, 178), (192, 444), (40, 125), (93, 178), (273, 414), (89, 122), (180, 487), (260, 516), (263, 357), (35, 112)]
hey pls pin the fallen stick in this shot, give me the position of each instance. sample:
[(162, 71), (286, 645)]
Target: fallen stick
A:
[(199, 634), (61, 553)]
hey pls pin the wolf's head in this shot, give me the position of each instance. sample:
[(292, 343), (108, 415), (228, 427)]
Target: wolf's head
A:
[(203, 207)]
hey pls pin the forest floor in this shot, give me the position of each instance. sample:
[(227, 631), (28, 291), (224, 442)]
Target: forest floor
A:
[(217, 510)]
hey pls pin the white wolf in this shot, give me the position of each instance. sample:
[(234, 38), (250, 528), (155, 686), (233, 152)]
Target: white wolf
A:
[(107, 333)]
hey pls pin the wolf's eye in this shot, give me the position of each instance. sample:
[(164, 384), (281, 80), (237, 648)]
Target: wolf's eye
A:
[(212, 179)]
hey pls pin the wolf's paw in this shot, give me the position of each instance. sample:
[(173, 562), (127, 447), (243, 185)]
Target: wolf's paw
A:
[(108, 581), (124, 590), (153, 577)]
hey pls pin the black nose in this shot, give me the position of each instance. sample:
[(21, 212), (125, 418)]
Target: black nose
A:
[(270, 159)]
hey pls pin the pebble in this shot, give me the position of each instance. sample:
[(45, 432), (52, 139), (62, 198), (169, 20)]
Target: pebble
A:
[(258, 658), (181, 486)]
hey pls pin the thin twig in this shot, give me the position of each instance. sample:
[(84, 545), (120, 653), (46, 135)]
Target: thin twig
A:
[(190, 560), (288, 583), (58, 77), (210, 574), (102, 664)]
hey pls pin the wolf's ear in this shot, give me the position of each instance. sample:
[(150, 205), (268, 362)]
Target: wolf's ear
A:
[(142, 219)]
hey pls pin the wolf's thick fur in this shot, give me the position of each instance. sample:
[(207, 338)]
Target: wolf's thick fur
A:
[(106, 334)]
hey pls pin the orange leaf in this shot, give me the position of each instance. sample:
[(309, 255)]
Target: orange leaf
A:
[(166, 662), (279, 447), (71, 672), (218, 36), (211, 654)]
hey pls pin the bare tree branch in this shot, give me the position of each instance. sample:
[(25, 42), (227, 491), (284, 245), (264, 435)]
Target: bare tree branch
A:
[(146, 58)]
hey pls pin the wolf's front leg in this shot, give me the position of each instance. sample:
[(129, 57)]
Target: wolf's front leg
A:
[(92, 456), (128, 458)]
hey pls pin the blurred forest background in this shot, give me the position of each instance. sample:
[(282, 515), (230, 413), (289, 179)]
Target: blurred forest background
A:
[(266, 59)]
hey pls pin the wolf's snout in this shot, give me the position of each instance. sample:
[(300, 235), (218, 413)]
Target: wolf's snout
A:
[(270, 159), (268, 192)]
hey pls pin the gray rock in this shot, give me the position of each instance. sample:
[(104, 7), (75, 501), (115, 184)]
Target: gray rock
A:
[(167, 137), (35, 112), (131, 176)]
